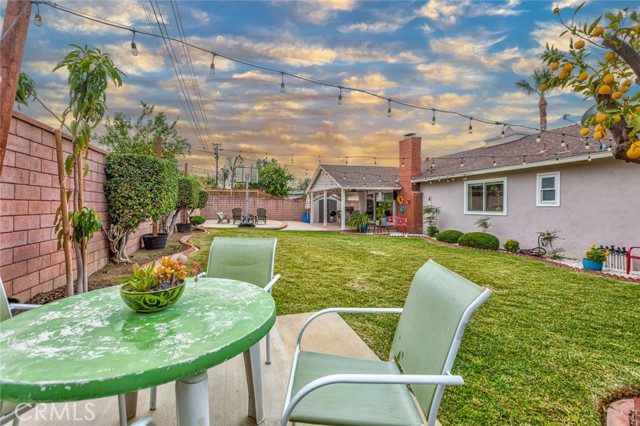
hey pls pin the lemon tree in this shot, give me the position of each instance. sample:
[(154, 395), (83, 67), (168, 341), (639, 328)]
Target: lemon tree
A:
[(603, 63)]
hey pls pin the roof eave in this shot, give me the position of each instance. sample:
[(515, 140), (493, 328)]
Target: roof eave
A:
[(565, 160)]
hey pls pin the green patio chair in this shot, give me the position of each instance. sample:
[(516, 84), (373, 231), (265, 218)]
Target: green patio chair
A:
[(336, 390), (10, 411)]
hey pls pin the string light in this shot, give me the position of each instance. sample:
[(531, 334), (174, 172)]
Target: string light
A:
[(538, 138), (524, 160), (433, 164), (462, 162), (502, 134), (562, 142), (375, 161), (470, 126), (433, 119), (557, 159), (610, 148), (494, 161), (212, 67), (282, 89), (589, 157), (389, 108), (402, 161), (586, 144), (346, 160), (340, 96), (37, 20), (134, 48)]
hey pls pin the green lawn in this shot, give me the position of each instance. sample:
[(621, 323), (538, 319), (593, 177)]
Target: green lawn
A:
[(543, 350)]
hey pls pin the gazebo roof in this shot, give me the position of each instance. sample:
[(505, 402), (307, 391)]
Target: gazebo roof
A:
[(336, 177)]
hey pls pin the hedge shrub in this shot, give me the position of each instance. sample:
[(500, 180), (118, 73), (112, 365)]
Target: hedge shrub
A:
[(188, 193), (197, 220), (512, 246), (450, 236), (481, 240), (139, 187), (203, 197)]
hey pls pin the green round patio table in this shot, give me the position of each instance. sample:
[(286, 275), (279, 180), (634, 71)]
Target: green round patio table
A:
[(92, 345)]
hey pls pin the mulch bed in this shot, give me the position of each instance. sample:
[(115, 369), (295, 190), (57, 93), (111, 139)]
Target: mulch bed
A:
[(116, 274)]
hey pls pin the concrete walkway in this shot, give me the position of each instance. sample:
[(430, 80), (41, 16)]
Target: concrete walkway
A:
[(277, 224)]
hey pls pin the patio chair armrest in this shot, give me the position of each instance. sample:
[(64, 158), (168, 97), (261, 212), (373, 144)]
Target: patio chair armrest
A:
[(272, 282), (396, 379), (348, 311), (22, 306)]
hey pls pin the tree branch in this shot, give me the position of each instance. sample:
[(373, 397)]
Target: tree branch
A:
[(626, 52)]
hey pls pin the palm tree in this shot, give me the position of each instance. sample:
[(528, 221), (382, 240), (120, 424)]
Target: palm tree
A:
[(540, 76)]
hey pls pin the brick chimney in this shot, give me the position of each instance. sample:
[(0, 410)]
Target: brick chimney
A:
[(410, 167)]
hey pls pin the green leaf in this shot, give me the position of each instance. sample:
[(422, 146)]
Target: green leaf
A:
[(577, 9), (68, 164), (594, 24)]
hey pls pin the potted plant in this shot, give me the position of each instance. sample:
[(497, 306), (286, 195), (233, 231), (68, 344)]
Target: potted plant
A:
[(431, 219), (380, 212), (188, 197), (359, 221), (163, 194), (594, 258), (153, 290)]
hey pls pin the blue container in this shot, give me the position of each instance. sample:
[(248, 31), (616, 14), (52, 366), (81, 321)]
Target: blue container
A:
[(306, 218), (591, 265)]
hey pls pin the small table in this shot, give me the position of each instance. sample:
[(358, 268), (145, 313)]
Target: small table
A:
[(92, 345)]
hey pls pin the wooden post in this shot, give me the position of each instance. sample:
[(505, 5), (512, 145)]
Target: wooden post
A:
[(11, 50), (66, 243), (154, 230)]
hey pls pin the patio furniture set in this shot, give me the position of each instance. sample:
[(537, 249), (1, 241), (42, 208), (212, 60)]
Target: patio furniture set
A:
[(238, 215), (91, 345)]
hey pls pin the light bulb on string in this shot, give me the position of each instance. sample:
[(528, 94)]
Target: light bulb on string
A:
[(375, 161), (538, 138), (462, 162), (37, 20), (494, 161), (340, 96), (502, 134), (610, 148), (589, 157), (433, 164), (282, 89), (212, 67), (402, 161), (389, 108), (557, 159), (134, 47), (433, 119), (346, 160), (586, 144), (470, 126), (524, 160)]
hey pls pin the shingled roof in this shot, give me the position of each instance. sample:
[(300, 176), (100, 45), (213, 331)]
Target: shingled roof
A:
[(512, 154), (362, 177)]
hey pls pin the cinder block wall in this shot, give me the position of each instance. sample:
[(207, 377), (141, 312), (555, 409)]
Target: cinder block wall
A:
[(277, 208), (29, 196)]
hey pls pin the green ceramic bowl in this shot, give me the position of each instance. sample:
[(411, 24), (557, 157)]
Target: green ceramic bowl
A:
[(151, 301)]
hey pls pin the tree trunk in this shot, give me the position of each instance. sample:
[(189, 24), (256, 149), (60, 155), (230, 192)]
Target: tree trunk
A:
[(542, 106), (118, 240), (619, 131), (64, 212)]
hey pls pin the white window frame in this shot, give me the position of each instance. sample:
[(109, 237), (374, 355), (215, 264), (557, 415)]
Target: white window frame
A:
[(502, 180), (539, 202)]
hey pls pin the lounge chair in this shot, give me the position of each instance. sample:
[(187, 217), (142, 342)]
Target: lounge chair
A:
[(222, 217), (261, 215), (337, 390), (236, 214)]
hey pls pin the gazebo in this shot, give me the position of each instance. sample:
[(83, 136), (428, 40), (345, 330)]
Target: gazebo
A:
[(332, 187)]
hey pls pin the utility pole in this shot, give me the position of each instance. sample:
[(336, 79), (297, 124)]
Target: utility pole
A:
[(216, 155), (14, 30)]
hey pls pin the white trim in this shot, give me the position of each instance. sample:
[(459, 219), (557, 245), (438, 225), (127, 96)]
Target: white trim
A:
[(539, 177), (502, 180), (537, 164)]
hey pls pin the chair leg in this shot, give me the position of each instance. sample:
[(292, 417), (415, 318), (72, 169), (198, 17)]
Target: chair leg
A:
[(153, 393), (268, 341), (16, 422), (122, 410), (252, 365)]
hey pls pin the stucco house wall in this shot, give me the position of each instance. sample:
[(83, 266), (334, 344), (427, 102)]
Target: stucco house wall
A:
[(599, 203)]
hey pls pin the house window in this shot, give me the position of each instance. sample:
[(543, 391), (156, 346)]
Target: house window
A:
[(486, 197), (548, 189)]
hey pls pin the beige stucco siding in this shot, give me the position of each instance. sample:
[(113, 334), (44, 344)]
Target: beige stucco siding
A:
[(599, 203)]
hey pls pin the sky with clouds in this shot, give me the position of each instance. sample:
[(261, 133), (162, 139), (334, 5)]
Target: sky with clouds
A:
[(463, 56)]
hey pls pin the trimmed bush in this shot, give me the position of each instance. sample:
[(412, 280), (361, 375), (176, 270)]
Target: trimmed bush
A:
[(188, 193), (139, 187), (512, 246), (203, 197), (197, 220), (432, 231), (450, 236), (480, 240)]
